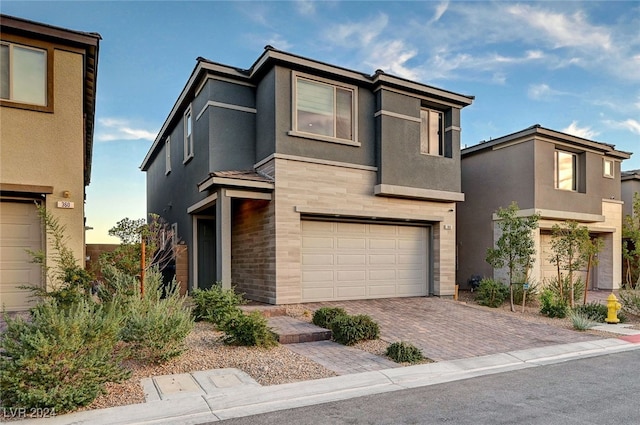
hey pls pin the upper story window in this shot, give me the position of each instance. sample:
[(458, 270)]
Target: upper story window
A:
[(431, 132), (324, 110), (167, 156), (566, 170), (23, 74), (188, 135), (608, 169)]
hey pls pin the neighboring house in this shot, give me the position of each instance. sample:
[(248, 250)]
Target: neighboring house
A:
[(559, 176), (296, 180), (630, 186), (47, 106)]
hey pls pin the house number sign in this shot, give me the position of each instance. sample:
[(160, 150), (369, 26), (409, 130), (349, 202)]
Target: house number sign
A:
[(65, 204)]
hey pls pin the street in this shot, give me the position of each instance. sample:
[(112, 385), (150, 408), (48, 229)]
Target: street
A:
[(597, 390)]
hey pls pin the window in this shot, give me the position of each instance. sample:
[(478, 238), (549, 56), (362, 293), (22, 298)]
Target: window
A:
[(431, 132), (608, 168), (324, 110), (188, 135), (167, 156), (174, 234), (23, 74), (566, 164)]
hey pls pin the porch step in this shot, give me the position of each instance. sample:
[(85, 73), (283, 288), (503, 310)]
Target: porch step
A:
[(267, 310), (293, 331)]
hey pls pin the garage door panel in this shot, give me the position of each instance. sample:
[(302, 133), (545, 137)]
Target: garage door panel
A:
[(317, 226), (365, 261)]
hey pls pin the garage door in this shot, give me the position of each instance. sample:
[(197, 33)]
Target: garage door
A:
[(20, 229), (346, 261)]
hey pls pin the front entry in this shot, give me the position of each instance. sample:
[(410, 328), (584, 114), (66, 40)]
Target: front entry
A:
[(206, 253)]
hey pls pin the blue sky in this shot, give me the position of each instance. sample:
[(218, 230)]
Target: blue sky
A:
[(569, 66)]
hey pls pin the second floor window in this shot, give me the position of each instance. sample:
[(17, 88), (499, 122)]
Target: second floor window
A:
[(431, 132), (608, 168), (23, 74), (324, 109), (188, 135), (566, 171)]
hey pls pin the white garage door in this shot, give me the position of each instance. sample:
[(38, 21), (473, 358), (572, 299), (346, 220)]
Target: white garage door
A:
[(20, 229), (347, 261)]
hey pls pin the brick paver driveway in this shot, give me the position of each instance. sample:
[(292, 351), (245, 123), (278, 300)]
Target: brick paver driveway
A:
[(447, 330)]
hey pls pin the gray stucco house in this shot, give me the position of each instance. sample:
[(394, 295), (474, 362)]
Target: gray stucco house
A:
[(561, 177), (296, 180), (630, 186)]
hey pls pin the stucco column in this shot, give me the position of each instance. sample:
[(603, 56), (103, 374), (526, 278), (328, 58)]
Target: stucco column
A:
[(223, 239)]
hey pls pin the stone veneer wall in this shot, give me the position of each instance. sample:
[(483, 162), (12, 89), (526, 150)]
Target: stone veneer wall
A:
[(253, 249), (326, 187)]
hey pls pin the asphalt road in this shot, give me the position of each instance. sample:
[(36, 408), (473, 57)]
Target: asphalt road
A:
[(598, 390)]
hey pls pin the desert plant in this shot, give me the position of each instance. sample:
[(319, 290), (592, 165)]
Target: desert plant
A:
[(580, 320), (62, 357), (325, 315), (491, 293), (248, 330), (403, 352), (216, 304), (551, 305), (518, 292), (157, 323), (593, 311), (348, 330), (563, 291), (630, 300)]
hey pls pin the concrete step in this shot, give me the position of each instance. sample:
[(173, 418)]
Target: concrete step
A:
[(293, 331)]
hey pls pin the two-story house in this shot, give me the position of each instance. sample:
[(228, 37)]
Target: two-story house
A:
[(630, 186), (47, 107), (557, 175), (297, 180)]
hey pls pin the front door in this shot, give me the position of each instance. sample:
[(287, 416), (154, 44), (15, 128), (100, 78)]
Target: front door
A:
[(206, 253)]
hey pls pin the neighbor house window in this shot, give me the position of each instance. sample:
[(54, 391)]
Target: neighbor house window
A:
[(167, 156), (324, 109), (608, 168), (188, 135), (431, 132), (174, 234), (566, 164), (23, 74)]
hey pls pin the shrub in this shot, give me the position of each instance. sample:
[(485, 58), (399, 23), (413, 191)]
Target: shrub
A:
[(402, 352), (156, 324), (248, 330), (215, 304), (552, 305), (325, 315), (580, 320), (593, 311), (532, 292), (630, 300), (491, 293), (348, 330), (62, 358), (578, 289)]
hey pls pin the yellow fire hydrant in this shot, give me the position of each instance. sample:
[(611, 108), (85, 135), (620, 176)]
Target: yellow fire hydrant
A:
[(613, 306)]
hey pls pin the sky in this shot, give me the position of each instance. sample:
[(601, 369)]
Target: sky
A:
[(568, 66)]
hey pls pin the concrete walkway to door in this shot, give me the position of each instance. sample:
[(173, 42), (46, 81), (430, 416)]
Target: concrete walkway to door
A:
[(449, 330)]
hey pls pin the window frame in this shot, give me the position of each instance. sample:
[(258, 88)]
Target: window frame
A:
[(295, 76), (14, 40), (611, 175), (188, 137), (574, 170), (167, 155), (426, 144)]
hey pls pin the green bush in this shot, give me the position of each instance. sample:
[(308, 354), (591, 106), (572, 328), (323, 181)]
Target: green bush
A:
[(578, 289), (630, 301), (325, 315), (491, 293), (61, 358), (593, 311), (581, 321), (156, 324), (248, 330), (348, 330), (532, 292), (215, 304), (402, 352), (551, 305)]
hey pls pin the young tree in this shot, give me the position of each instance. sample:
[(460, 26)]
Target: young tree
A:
[(590, 250), (631, 244), (515, 248), (567, 244)]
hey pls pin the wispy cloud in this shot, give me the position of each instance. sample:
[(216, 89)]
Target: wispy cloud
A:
[(110, 129), (440, 9), (277, 41), (392, 57), (543, 92), (584, 132), (358, 34), (629, 124), (305, 7)]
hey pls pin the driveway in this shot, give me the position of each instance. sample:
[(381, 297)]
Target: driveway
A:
[(448, 330)]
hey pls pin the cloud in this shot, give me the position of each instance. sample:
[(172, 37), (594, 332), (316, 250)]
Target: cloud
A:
[(305, 7), (630, 124), (584, 132), (543, 92), (440, 9), (392, 57), (110, 129), (277, 41), (358, 34)]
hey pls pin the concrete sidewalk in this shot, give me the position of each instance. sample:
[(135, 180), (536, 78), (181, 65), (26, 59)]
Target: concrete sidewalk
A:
[(223, 394)]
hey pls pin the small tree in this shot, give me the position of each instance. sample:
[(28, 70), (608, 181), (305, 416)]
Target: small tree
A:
[(590, 249), (515, 248), (567, 244), (631, 244)]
